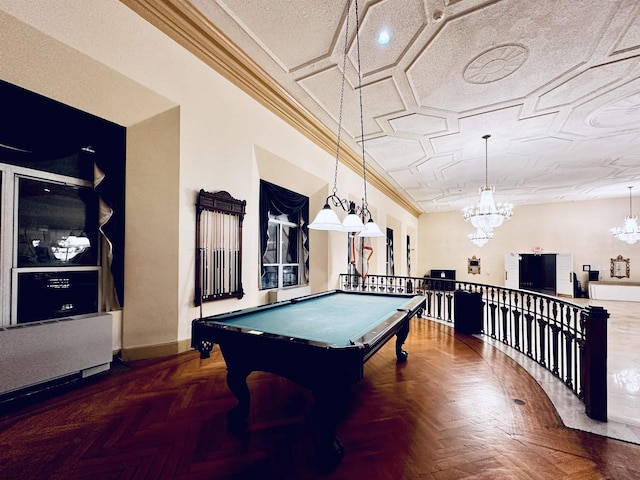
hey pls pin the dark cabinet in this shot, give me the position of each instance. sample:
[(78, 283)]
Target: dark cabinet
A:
[(468, 314), (442, 279)]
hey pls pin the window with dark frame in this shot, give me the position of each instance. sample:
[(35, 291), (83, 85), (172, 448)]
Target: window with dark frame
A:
[(57, 250), (284, 245), (390, 262), (408, 256), (62, 201)]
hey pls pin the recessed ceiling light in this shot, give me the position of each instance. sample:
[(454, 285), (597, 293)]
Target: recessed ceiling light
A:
[(383, 37)]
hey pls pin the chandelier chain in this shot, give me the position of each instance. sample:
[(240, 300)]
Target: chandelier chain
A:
[(344, 65), (359, 219), (364, 167), (486, 159)]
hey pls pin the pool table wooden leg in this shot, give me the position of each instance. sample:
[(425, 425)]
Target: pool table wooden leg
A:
[(331, 405), (401, 336), (237, 382)]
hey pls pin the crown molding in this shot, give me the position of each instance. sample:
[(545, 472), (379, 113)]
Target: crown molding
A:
[(193, 31)]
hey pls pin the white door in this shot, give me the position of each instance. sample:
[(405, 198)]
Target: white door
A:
[(512, 270), (564, 274)]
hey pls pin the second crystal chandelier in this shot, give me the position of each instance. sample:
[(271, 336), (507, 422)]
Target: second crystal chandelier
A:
[(486, 214)]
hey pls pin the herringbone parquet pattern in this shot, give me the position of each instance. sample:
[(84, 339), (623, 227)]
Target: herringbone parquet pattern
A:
[(457, 409)]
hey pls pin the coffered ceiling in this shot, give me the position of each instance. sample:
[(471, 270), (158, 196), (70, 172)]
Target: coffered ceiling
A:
[(556, 83)]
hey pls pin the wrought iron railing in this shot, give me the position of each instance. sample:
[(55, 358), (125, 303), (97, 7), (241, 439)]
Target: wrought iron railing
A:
[(567, 339)]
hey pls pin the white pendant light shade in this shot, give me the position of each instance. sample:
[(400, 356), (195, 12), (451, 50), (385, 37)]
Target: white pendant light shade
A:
[(352, 223), (371, 230), (326, 219)]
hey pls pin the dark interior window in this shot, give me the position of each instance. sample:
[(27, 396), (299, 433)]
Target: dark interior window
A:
[(48, 295), (44, 135), (57, 224)]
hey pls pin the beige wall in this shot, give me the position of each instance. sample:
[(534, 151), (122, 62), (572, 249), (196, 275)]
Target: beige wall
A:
[(188, 128), (191, 129), (151, 286), (579, 228)]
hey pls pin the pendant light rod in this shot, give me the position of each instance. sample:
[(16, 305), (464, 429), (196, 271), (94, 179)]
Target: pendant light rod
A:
[(486, 159)]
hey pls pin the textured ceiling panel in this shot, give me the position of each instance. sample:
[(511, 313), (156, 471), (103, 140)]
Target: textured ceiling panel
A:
[(630, 34), (401, 20), (500, 52), (556, 83), (419, 124), (383, 98), (584, 84), (396, 152), (279, 25)]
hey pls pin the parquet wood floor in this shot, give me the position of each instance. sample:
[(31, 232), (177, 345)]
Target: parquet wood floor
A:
[(458, 409)]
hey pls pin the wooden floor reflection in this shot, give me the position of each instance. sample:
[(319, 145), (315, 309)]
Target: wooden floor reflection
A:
[(458, 409), (623, 363), (623, 383)]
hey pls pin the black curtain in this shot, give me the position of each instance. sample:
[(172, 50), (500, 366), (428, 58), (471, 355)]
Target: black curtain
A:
[(111, 161), (278, 201)]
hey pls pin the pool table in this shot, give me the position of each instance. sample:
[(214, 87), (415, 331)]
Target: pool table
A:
[(319, 341)]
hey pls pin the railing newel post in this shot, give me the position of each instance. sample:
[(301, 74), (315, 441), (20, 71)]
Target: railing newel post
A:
[(594, 381)]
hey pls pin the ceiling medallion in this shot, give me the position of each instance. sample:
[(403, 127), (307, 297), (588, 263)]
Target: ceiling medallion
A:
[(620, 113), (495, 64)]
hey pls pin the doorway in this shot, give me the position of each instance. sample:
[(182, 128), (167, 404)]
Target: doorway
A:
[(538, 273)]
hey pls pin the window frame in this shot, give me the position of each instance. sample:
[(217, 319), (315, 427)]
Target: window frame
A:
[(276, 200), (9, 237), (280, 264), (390, 262)]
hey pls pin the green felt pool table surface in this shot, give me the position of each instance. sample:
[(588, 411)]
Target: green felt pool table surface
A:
[(339, 319)]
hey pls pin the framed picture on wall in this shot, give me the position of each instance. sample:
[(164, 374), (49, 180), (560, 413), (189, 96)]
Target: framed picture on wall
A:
[(586, 268), (473, 265)]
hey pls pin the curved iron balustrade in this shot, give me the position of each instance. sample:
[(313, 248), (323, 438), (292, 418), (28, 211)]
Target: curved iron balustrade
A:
[(567, 339)]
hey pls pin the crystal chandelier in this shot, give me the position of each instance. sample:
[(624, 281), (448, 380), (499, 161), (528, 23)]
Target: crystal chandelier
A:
[(480, 238), (630, 233), (326, 219), (487, 215)]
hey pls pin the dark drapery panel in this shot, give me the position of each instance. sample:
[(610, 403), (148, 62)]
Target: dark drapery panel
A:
[(110, 159), (279, 200)]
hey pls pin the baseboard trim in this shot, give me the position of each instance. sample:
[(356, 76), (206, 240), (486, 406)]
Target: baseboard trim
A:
[(155, 351)]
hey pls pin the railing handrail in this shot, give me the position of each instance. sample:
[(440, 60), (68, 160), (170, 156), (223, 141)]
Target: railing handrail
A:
[(567, 339)]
